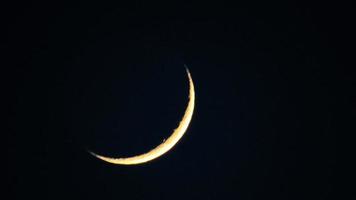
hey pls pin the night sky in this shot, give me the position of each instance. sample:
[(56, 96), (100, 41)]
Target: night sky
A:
[(271, 89)]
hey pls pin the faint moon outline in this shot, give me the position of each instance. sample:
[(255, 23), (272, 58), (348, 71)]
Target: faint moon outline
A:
[(167, 144)]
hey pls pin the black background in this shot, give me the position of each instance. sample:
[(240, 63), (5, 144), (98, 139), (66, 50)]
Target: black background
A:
[(271, 84)]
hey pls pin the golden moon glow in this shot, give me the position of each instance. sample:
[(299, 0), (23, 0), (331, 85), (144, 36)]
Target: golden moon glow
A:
[(168, 143)]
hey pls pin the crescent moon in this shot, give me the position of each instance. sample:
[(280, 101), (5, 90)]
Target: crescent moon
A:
[(167, 144)]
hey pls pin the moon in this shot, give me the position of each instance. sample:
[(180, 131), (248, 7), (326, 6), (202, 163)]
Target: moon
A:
[(167, 144)]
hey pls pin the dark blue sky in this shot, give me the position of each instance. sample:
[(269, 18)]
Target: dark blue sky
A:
[(270, 90)]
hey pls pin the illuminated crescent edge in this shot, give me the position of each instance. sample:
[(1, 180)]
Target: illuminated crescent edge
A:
[(167, 144)]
